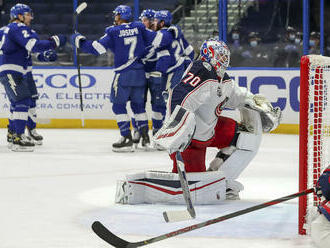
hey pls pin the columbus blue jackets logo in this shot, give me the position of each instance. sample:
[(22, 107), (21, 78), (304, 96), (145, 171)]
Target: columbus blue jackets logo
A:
[(220, 107)]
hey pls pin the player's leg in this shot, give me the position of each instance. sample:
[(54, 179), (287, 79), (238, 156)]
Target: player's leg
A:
[(193, 157), (10, 127), (320, 231), (119, 97), (164, 187), (138, 105), (32, 114), (237, 147), (137, 132), (158, 106), (19, 96)]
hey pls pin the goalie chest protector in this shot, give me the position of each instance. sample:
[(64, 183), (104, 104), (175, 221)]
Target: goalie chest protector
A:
[(199, 72)]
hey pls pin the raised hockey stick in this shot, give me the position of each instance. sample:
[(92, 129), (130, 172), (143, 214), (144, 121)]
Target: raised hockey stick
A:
[(180, 215), (78, 10), (115, 241)]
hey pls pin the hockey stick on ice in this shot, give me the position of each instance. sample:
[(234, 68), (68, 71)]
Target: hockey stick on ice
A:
[(78, 10), (173, 216), (115, 241)]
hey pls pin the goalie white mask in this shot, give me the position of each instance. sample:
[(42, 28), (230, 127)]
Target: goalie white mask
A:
[(217, 53)]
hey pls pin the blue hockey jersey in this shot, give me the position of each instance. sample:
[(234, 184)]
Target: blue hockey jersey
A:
[(172, 49), (17, 44), (127, 41), (1, 34)]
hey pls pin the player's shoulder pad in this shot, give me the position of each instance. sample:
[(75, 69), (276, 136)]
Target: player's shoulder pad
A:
[(204, 70), (175, 30), (109, 29)]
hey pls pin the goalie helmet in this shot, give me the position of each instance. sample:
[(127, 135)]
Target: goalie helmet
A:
[(148, 13), (19, 9), (164, 15), (124, 11), (217, 53)]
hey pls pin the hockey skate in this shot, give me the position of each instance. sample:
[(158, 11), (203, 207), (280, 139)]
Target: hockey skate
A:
[(35, 137), (232, 189), (124, 144), (145, 139), (136, 138), (22, 143), (10, 135)]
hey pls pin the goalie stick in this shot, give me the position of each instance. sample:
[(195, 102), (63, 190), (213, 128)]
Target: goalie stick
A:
[(180, 215), (76, 13), (116, 241)]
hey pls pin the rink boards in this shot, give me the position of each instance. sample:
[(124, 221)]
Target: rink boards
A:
[(59, 98)]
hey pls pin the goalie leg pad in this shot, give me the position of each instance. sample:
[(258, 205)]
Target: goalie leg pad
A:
[(320, 231), (165, 188), (246, 148), (177, 131)]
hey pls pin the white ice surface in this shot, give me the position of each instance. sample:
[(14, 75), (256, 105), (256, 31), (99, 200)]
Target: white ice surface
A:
[(49, 198)]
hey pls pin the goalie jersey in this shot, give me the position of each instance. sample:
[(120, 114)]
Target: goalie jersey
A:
[(203, 93), (324, 182)]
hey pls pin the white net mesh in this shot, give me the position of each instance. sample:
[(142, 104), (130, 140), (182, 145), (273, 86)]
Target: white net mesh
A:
[(318, 127)]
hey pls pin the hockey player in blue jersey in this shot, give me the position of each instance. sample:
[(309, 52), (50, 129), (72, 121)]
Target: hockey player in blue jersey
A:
[(17, 44), (153, 77), (173, 51), (128, 41)]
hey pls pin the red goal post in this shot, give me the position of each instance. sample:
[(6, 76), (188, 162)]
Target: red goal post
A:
[(313, 131)]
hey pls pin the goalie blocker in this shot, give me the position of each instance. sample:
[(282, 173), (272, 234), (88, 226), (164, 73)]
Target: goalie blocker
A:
[(165, 188)]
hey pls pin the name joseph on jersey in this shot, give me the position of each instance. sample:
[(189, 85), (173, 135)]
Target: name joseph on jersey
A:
[(128, 32)]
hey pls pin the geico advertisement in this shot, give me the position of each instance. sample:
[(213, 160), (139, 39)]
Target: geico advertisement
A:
[(59, 95), (59, 91)]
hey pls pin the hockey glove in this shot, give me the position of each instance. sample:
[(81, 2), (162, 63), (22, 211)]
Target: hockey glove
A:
[(59, 40), (47, 56), (76, 38)]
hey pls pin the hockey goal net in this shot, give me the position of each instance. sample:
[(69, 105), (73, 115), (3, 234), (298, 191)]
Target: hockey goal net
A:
[(313, 131)]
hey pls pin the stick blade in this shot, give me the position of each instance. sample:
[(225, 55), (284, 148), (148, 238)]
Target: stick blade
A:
[(108, 236), (175, 216), (80, 8)]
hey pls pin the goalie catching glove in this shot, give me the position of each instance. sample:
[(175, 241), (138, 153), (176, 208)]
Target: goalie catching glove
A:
[(270, 117), (177, 131)]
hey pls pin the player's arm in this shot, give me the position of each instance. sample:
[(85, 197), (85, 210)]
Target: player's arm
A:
[(23, 37), (96, 47), (47, 56), (240, 97)]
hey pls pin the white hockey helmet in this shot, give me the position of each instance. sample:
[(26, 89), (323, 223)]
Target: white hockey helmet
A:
[(217, 53)]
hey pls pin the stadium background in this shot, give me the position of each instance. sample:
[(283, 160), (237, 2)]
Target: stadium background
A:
[(267, 70)]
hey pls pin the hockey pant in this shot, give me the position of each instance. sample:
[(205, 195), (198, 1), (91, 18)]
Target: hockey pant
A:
[(158, 106), (22, 92), (194, 156), (120, 95)]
